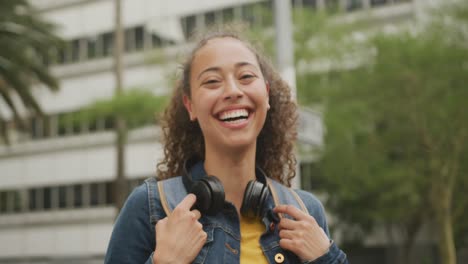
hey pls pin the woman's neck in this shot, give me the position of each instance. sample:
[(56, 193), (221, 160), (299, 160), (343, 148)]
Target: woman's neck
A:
[(234, 170)]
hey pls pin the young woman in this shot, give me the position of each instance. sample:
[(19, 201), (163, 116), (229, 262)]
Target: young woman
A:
[(231, 116)]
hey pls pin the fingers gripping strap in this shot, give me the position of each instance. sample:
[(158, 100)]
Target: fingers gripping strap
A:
[(284, 195)]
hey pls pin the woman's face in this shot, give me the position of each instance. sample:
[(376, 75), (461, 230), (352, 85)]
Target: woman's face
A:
[(229, 96)]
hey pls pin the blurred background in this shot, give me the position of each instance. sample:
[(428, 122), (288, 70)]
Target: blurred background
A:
[(381, 86)]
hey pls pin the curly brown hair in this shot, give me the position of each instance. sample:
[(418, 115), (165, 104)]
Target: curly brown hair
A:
[(183, 139)]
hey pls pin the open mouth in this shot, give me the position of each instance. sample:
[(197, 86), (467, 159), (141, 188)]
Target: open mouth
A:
[(234, 116)]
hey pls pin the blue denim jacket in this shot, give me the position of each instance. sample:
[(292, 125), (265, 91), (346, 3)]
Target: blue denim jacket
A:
[(133, 236)]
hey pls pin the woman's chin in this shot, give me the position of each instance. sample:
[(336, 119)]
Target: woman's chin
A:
[(238, 145)]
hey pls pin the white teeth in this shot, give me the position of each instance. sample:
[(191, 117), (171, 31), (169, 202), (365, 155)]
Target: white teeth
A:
[(237, 113)]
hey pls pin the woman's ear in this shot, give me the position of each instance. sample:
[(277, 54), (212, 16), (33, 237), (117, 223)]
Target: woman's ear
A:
[(188, 106)]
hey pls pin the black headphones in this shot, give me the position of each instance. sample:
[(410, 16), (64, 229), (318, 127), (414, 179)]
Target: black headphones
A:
[(210, 193)]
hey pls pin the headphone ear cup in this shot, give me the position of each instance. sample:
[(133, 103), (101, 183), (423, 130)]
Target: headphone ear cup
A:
[(210, 195), (203, 194), (262, 200), (217, 197), (255, 196)]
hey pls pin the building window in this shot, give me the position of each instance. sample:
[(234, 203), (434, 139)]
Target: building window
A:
[(354, 4), (210, 18), (94, 192), (156, 41), (75, 50), (42, 127), (77, 196), (386, 2), (135, 38), (304, 3), (92, 49), (11, 201), (35, 199), (62, 197), (62, 126), (227, 15), (64, 54), (37, 129), (247, 14), (54, 197), (3, 130), (66, 124), (258, 14), (108, 193), (47, 204), (378, 2), (86, 195), (3, 201), (108, 44), (17, 201), (81, 195), (309, 3), (139, 38), (129, 37), (32, 200), (264, 12), (48, 129), (189, 24)]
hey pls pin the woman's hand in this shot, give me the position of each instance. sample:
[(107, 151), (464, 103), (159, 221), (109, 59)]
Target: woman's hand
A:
[(179, 236), (303, 236)]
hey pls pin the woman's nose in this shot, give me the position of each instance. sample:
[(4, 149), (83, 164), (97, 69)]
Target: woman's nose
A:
[(232, 90)]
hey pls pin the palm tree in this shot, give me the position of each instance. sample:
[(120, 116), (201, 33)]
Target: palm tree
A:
[(120, 191), (27, 43)]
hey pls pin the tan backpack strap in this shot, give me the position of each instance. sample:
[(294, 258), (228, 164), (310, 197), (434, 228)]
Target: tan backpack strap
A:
[(162, 197), (284, 195), (299, 201)]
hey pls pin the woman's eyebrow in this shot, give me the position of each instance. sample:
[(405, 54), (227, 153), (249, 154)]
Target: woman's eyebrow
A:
[(218, 69), (215, 69), (244, 63)]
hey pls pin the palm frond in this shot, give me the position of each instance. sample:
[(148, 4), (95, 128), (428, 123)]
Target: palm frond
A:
[(27, 41)]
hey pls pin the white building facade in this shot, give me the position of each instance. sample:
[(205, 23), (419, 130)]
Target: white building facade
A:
[(55, 183)]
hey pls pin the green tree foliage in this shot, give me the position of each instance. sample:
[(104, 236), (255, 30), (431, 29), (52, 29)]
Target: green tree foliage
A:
[(137, 107), (26, 43), (396, 143)]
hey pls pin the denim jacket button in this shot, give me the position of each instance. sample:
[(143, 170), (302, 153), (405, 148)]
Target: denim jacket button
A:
[(279, 258)]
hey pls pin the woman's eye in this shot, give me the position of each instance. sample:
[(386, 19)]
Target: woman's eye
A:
[(247, 76), (211, 81)]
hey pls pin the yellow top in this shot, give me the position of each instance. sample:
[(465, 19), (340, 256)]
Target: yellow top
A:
[(251, 252)]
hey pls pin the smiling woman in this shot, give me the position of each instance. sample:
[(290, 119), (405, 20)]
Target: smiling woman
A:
[(232, 116)]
